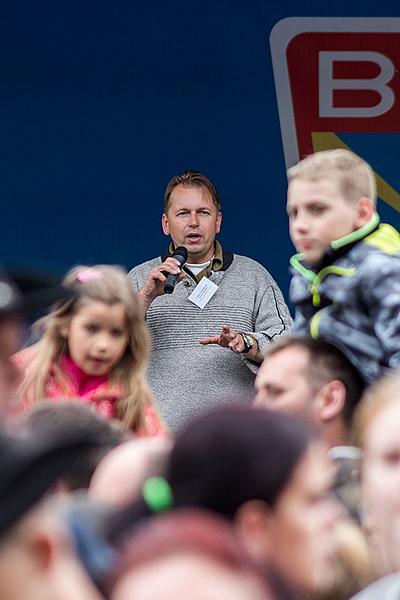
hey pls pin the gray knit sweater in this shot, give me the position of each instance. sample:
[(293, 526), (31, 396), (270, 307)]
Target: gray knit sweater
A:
[(188, 378)]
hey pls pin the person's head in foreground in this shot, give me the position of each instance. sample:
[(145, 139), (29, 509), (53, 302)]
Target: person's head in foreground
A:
[(269, 475), (119, 477), (37, 557), (377, 426), (188, 554), (23, 293), (331, 194), (314, 380), (60, 421)]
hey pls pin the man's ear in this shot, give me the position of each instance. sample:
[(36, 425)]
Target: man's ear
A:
[(331, 400), (254, 525), (165, 224), (364, 211), (219, 221), (42, 550), (41, 538)]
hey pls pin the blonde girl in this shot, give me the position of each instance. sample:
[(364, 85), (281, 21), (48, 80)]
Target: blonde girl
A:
[(94, 346)]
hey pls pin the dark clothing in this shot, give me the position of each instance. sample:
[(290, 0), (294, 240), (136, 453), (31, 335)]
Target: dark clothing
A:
[(352, 298)]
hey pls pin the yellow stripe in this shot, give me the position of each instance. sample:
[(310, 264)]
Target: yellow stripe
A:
[(325, 140), (386, 238), (314, 323), (331, 270)]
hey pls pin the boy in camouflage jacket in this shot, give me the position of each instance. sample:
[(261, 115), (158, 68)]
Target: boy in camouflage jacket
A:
[(346, 279)]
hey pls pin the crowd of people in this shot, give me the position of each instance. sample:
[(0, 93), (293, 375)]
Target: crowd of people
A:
[(200, 444)]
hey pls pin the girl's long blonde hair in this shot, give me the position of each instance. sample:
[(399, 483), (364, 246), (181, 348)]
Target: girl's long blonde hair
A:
[(110, 285)]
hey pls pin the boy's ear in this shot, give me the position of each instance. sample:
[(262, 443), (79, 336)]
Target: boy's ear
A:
[(365, 210)]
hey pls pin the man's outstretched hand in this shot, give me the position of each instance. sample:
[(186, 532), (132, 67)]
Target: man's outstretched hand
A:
[(228, 338)]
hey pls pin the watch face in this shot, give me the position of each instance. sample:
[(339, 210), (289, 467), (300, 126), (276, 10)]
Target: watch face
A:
[(248, 343)]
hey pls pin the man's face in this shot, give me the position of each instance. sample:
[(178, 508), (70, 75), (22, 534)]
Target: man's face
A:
[(381, 485), (282, 383), (192, 221), (11, 332), (302, 525), (318, 214)]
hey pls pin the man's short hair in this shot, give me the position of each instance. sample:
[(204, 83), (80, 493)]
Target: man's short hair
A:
[(325, 363), (191, 178), (60, 421), (30, 465), (353, 175)]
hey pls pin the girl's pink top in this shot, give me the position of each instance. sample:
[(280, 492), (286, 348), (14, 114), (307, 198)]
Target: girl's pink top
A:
[(93, 390)]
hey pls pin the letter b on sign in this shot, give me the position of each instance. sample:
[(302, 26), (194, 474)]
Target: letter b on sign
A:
[(328, 84)]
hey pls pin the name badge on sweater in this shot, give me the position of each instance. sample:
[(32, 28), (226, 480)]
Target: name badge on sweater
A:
[(203, 292)]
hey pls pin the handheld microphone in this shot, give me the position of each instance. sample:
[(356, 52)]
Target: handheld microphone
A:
[(181, 255)]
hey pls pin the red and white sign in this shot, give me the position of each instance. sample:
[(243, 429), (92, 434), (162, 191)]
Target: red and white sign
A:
[(335, 75)]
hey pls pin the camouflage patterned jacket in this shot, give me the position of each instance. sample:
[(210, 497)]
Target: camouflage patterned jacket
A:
[(352, 299)]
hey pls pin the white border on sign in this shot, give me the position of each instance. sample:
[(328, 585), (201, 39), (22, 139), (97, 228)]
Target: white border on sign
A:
[(281, 35)]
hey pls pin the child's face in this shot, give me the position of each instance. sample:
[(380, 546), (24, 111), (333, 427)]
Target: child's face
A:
[(318, 214), (97, 337)]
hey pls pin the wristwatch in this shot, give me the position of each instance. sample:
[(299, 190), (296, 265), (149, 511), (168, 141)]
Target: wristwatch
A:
[(248, 343)]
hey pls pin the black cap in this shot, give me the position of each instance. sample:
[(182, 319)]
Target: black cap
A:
[(29, 467), (28, 291)]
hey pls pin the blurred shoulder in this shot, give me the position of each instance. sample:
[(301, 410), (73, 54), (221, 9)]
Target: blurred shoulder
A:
[(387, 588)]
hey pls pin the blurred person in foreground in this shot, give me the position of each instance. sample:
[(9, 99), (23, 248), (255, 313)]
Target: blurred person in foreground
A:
[(267, 474), (314, 380), (37, 556), (23, 293), (119, 477), (188, 554), (63, 419), (377, 426)]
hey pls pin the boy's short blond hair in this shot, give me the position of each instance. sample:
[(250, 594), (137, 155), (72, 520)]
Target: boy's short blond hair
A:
[(353, 175)]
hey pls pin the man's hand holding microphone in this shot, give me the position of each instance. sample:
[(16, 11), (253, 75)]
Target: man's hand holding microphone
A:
[(163, 278)]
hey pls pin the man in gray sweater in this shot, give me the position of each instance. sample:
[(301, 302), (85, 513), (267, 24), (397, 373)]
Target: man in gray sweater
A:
[(222, 302)]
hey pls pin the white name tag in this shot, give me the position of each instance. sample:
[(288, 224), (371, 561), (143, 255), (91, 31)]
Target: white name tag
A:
[(203, 292)]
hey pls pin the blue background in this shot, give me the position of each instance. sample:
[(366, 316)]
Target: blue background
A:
[(103, 101)]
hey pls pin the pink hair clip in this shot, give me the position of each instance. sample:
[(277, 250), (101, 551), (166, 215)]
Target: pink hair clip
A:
[(88, 275)]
